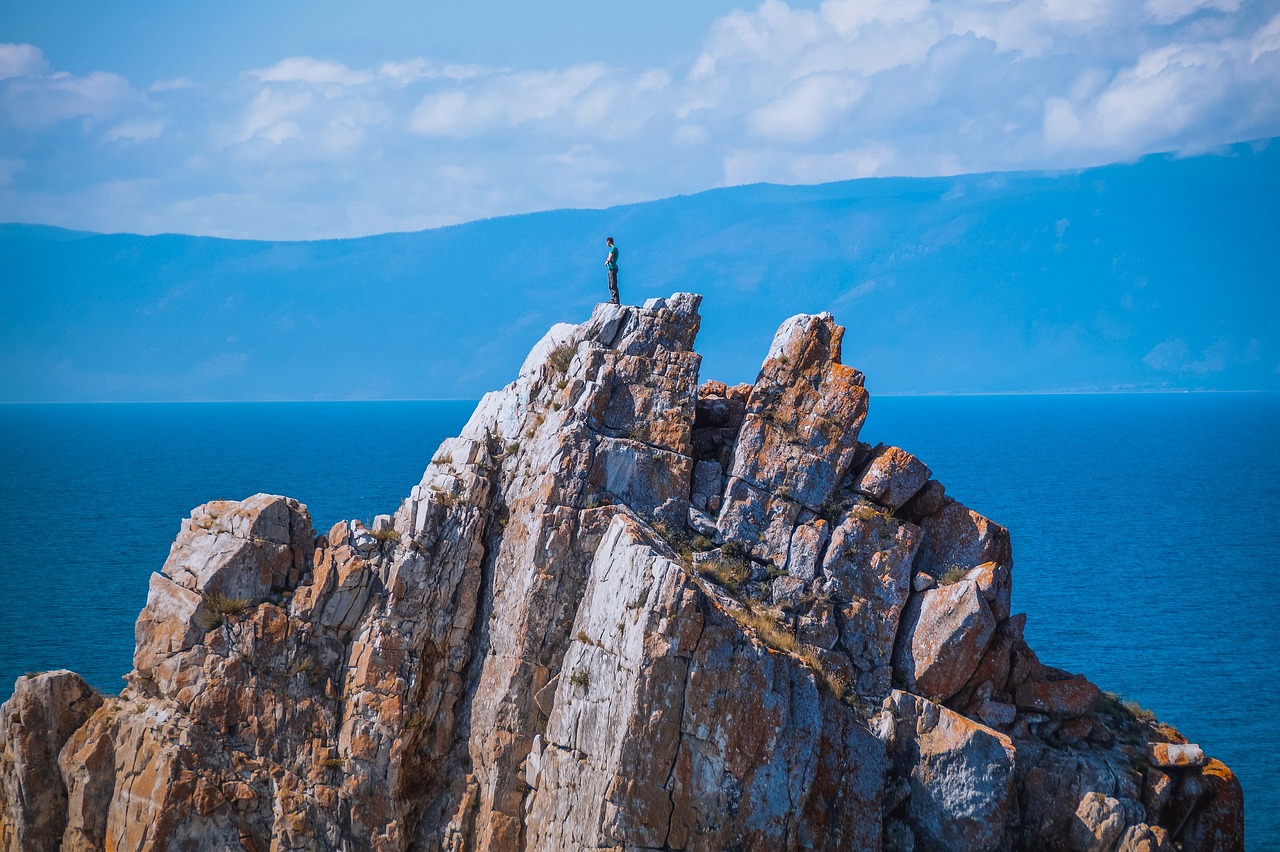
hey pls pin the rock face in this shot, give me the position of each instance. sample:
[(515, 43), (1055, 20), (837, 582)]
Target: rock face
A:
[(620, 611)]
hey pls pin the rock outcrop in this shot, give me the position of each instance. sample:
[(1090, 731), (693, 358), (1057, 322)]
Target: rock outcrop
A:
[(620, 611)]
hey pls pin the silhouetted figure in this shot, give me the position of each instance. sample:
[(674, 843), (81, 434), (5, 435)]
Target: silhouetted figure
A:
[(611, 264)]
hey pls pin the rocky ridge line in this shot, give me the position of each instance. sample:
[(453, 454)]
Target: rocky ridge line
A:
[(619, 611)]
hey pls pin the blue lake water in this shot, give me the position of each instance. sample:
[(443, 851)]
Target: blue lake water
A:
[(1143, 527)]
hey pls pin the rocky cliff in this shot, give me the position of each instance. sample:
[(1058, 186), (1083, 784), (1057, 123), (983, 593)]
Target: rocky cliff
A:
[(621, 611)]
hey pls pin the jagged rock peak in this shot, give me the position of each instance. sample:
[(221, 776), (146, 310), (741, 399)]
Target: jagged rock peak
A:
[(620, 610)]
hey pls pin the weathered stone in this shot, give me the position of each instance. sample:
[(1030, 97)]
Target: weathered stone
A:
[(650, 480), (760, 522), (991, 677), (960, 774), (519, 658), (1145, 838), (892, 477), (819, 628), (241, 550), (868, 566), (1099, 824), (1074, 696), (801, 428), (361, 539), (786, 591), (1218, 824), (931, 498), (957, 537), (942, 637), (702, 524), (923, 581), (995, 584), (805, 553), (43, 713), (624, 764), (1052, 783), (1157, 790), (1176, 755), (996, 714), (708, 480)]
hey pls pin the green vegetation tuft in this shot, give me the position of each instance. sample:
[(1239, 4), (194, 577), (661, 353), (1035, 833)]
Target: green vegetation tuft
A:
[(730, 572), (561, 357)]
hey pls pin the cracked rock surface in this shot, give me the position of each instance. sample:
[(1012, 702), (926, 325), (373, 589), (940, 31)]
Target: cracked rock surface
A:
[(621, 610)]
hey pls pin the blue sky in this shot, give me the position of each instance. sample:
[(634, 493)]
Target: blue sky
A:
[(293, 121)]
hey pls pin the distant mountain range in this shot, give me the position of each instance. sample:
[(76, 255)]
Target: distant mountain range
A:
[(1156, 275)]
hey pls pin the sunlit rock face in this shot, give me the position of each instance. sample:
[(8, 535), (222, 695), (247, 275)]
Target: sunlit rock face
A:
[(621, 610)]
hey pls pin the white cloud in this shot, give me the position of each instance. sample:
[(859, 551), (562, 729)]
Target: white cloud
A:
[(313, 146), (505, 100), (1168, 11), (135, 131), (808, 108), (1175, 356), (440, 115), (176, 84), (304, 69), (850, 16), (21, 60), (1265, 40), (272, 115), (35, 103)]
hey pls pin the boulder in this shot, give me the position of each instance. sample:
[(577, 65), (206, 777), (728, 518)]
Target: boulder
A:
[(868, 569), (958, 537), (942, 637), (931, 497), (43, 713), (242, 549), (702, 524), (807, 545), (1074, 696), (1218, 824), (960, 774), (1100, 822), (996, 714), (1176, 755), (892, 477), (1145, 838)]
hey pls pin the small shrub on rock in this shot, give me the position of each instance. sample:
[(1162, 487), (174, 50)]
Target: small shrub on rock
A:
[(561, 357)]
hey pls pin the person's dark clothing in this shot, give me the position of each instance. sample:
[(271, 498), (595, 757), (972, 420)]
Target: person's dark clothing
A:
[(611, 263)]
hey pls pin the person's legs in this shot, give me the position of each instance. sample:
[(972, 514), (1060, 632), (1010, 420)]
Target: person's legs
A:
[(613, 287)]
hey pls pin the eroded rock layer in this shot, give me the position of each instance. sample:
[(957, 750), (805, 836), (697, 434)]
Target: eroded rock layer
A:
[(619, 611)]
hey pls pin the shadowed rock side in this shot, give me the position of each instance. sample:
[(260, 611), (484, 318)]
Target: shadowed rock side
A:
[(620, 611)]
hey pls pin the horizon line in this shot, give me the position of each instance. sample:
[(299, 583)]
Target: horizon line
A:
[(880, 394)]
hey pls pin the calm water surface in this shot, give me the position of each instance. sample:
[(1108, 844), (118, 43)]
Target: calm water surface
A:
[(1143, 529)]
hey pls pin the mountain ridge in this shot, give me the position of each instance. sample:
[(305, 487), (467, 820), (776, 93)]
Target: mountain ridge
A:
[(1151, 275)]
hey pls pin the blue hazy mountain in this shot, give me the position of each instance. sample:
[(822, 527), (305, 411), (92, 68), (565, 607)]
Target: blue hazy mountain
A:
[(1159, 274)]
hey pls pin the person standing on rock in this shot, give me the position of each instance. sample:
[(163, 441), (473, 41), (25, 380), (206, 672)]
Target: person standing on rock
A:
[(611, 264)]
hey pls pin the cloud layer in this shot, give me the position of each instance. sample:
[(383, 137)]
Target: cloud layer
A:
[(311, 147)]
